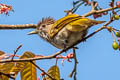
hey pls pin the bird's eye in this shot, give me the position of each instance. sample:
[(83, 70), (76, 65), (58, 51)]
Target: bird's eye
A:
[(43, 26)]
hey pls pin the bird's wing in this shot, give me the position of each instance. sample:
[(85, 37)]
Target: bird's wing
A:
[(79, 25), (82, 24), (61, 23), (72, 22)]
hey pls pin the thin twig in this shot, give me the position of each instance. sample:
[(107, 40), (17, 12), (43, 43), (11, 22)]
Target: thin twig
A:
[(114, 30), (75, 66), (99, 11), (113, 37), (92, 5), (74, 71), (74, 9), (42, 70), (15, 51), (18, 26)]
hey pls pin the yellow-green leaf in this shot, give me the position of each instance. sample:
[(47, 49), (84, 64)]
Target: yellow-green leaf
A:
[(3, 77), (29, 70), (19, 66), (5, 68), (54, 73)]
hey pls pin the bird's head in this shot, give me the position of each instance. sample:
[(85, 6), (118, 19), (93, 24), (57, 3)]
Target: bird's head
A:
[(43, 26)]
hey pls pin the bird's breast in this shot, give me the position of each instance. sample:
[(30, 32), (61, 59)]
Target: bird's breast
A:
[(66, 38)]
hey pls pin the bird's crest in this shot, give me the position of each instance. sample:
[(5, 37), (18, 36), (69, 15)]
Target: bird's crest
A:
[(47, 20)]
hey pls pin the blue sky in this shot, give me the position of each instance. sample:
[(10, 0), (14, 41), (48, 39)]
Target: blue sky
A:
[(97, 59)]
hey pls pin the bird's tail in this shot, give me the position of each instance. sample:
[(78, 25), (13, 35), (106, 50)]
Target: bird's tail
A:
[(97, 22)]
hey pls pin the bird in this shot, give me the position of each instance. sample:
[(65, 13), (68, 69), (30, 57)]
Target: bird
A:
[(66, 31)]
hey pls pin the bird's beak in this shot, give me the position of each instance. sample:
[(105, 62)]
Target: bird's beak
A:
[(33, 32)]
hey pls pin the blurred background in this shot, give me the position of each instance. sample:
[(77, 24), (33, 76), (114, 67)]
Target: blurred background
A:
[(96, 57)]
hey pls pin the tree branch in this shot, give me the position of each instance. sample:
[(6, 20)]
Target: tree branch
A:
[(41, 70), (99, 11), (60, 52), (28, 26), (15, 51), (24, 26)]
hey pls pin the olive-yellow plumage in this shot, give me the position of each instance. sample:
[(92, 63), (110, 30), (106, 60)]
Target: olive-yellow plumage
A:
[(65, 31)]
